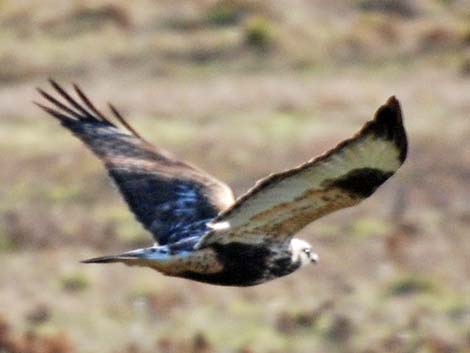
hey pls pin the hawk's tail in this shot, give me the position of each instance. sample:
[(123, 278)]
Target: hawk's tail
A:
[(104, 259), (139, 257)]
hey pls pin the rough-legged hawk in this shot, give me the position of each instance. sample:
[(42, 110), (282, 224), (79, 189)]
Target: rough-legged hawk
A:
[(201, 232)]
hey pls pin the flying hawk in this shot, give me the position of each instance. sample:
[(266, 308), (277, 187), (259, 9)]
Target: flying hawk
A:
[(201, 231)]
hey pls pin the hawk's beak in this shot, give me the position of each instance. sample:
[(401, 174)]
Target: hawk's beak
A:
[(314, 258)]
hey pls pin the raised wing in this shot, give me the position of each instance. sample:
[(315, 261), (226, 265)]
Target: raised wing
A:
[(281, 204), (172, 199)]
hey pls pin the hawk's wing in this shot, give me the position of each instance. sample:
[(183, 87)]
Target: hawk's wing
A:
[(282, 204), (172, 199)]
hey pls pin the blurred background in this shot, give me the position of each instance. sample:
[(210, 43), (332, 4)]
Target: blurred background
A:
[(241, 88)]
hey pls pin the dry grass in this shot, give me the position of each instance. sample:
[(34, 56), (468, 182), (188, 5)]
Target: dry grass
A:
[(223, 83)]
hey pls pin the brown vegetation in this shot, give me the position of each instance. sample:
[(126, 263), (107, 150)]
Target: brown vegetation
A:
[(242, 88)]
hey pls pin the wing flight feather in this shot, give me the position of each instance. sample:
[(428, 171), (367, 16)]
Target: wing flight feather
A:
[(281, 204), (172, 199)]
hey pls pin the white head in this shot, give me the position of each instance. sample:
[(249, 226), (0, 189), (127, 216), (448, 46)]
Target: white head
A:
[(302, 251)]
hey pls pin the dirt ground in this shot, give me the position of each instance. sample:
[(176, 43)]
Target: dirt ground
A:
[(243, 89)]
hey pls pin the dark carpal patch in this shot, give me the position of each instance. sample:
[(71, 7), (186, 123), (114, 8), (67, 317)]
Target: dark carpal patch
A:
[(362, 182)]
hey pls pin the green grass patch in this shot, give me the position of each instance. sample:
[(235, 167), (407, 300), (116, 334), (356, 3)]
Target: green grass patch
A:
[(5, 243), (368, 227), (74, 282), (225, 13), (412, 284), (259, 33)]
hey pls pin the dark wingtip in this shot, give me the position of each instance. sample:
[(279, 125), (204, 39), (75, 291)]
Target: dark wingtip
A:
[(40, 106), (43, 107), (62, 117), (392, 101), (124, 122), (42, 93), (393, 105), (388, 124), (53, 83), (390, 112)]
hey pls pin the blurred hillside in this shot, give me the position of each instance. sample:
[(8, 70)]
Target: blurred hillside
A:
[(241, 88)]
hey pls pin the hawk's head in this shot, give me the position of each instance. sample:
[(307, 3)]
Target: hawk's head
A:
[(302, 252)]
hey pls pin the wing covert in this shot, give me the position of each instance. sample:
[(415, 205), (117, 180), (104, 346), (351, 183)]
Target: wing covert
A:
[(172, 199), (282, 204)]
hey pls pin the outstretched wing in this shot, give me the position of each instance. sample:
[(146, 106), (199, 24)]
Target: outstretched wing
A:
[(172, 199), (280, 205)]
